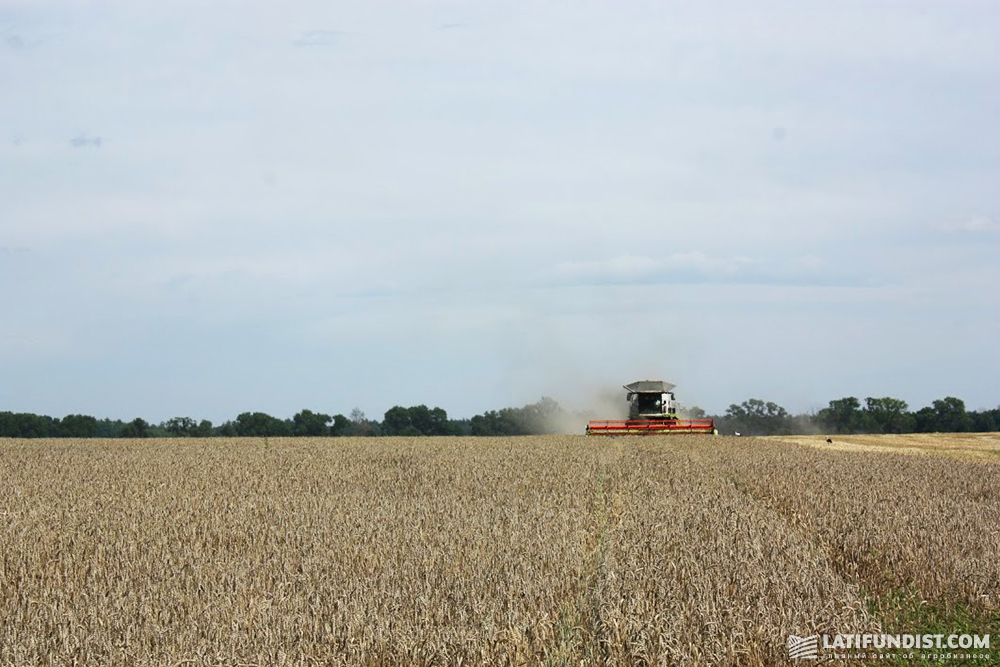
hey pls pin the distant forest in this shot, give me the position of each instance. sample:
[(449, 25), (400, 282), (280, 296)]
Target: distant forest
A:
[(752, 417)]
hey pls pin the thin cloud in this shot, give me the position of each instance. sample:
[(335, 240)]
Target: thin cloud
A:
[(83, 141), (977, 224), (693, 267), (313, 38), (14, 38), (16, 250)]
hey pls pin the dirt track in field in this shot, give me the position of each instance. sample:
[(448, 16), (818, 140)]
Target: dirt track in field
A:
[(983, 446)]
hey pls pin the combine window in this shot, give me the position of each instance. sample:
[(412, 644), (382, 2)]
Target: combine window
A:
[(649, 403)]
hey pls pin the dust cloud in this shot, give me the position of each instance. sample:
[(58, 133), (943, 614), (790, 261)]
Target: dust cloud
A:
[(600, 404), (582, 363)]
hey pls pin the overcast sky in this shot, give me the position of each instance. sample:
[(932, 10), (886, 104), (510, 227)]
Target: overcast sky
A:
[(209, 208)]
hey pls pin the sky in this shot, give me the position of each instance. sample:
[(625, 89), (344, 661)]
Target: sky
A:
[(213, 208)]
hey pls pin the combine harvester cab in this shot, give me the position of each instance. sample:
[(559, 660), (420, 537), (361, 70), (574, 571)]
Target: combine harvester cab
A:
[(652, 411)]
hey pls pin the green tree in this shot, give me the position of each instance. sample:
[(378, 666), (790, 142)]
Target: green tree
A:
[(107, 428), (951, 415), (78, 426), (27, 425), (888, 415), (396, 421), (416, 420), (429, 421), (310, 423), (926, 420), (461, 427), (259, 425), (341, 426), (181, 427), (985, 421), (137, 428), (757, 417), (843, 416), (496, 423), (203, 430)]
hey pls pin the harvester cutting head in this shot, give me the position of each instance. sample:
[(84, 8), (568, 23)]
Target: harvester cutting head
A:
[(652, 411)]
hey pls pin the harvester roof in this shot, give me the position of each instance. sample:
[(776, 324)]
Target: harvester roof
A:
[(649, 387)]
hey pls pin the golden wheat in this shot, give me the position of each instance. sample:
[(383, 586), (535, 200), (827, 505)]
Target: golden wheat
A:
[(559, 549)]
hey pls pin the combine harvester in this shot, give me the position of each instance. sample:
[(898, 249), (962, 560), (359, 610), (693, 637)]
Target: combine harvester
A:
[(652, 411)]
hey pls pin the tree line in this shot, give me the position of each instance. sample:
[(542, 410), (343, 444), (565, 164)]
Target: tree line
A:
[(419, 420), (752, 417), (847, 415)]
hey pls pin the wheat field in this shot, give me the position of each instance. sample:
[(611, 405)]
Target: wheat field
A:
[(553, 550)]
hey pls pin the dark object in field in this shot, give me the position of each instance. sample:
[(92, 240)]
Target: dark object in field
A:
[(830, 440)]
